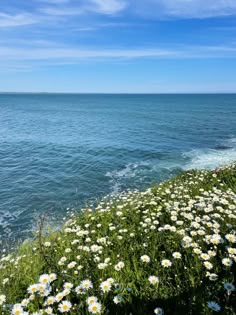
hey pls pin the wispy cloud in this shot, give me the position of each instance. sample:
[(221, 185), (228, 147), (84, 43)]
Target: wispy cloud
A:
[(67, 7), (76, 55), (7, 20), (54, 1), (7, 53), (183, 8), (62, 11), (160, 9), (108, 6)]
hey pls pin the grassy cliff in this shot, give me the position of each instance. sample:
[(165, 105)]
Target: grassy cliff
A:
[(168, 250)]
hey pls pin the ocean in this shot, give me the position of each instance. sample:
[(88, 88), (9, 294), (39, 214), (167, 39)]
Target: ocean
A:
[(60, 151)]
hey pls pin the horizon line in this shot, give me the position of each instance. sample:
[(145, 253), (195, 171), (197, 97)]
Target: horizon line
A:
[(117, 93)]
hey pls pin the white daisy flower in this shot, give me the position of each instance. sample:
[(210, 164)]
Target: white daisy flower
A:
[(105, 286), (166, 263), (145, 258), (177, 255), (91, 300), (95, 308), (17, 310), (45, 279), (117, 299), (158, 311), (86, 284), (65, 306), (32, 288), (227, 262), (153, 279)]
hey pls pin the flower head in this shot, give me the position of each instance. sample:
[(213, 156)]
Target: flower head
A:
[(105, 286), (95, 308), (17, 310), (214, 306), (229, 287), (91, 300), (65, 306), (158, 311), (45, 279), (153, 279), (145, 258), (86, 284), (117, 299), (166, 263)]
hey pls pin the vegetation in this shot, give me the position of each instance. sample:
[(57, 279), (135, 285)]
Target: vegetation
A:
[(168, 250)]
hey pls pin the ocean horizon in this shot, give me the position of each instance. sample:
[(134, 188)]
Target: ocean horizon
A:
[(62, 150)]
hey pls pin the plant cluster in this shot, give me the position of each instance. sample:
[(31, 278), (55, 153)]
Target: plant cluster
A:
[(168, 250)]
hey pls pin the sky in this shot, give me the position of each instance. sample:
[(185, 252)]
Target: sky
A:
[(118, 46)]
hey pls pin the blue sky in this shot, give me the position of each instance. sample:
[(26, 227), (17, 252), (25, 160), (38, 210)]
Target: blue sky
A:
[(149, 46)]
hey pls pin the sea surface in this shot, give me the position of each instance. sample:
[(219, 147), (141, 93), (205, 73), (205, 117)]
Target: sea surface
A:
[(59, 151)]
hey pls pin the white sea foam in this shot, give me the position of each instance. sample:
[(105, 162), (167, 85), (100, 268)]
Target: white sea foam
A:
[(117, 177), (128, 171), (160, 169), (209, 158)]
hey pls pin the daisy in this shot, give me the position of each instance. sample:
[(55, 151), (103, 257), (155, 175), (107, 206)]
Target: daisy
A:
[(119, 266), (158, 311), (52, 277), (229, 287), (227, 262), (86, 284), (17, 310), (214, 306), (80, 290), (68, 285), (50, 300), (105, 286), (111, 280), (48, 310), (153, 279), (95, 308), (166, 263), (145, 258), (44, 279), (91, 300), (65, 306), (41, 287), (213, 277), (176, 255), (231, 238), (208, 265), (117, 299), (32, 288), (59, 296)]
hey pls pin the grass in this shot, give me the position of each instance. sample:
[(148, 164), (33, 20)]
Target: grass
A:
[(168, 250)]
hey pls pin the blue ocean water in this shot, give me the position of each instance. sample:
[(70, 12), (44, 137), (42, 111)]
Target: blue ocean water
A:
[(62, 150)]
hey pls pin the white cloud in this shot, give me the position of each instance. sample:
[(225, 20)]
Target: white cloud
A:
[(55, 1), (7, 20), (67, 7), (7, 53), (62, 11), (108, 6), (183, 8), (160, 9), (75, 55)]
